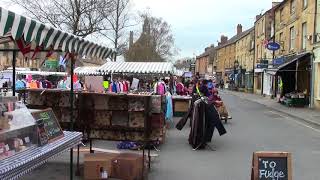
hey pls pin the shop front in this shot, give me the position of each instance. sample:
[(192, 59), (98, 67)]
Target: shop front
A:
[(294, 80), (316, 81), (268, 83), (249, 81), (258, 80)]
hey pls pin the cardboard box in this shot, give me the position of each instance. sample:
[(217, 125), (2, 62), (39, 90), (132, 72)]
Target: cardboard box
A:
[(128, 166), (93, 163)]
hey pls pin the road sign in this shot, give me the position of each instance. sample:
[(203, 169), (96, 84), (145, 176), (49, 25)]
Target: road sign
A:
[(273, 46)]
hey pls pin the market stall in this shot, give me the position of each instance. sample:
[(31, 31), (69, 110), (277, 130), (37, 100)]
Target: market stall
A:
[(46, 39)]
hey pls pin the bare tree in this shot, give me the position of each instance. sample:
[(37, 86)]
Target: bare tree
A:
[(118, 21), (79, 17), (162, 35), (183, 63)]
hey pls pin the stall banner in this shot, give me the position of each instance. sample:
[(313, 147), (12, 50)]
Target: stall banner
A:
[(51, 62)]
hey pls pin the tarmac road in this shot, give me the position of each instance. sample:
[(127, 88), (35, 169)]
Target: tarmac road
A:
[(254, 127)]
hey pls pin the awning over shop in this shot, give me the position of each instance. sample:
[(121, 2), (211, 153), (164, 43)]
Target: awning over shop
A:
[(293, 59), (137, 67), (286, 62), (87, 70), (33, 31)]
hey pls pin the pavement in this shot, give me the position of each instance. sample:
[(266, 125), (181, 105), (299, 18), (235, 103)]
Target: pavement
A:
[(254, 127), (309, 115)]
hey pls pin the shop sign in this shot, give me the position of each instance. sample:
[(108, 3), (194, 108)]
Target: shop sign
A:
[(278, 61), (271, 165), (273, 46), (262, 66)]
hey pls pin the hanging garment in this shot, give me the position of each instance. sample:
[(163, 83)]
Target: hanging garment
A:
[(161, 88), (180, 88), (121, 86), (205, 119), (114, 87), (169, 109), (20, 85)]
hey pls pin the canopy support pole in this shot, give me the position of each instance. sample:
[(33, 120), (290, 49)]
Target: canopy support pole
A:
[(71, 111), (14, 60)]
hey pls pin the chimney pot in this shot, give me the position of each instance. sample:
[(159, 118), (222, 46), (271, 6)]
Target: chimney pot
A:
[(239, 29)]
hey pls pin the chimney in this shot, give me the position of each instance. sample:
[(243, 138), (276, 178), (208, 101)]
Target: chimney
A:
[(275, 4), (131, 39), (223, 39), (239, 29), (258, 17)]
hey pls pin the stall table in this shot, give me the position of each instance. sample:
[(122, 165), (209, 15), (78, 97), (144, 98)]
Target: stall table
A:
[(181, 105), (16, 166)]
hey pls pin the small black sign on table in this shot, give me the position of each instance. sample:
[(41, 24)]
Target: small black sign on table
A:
[(271, 166), (48, 126)]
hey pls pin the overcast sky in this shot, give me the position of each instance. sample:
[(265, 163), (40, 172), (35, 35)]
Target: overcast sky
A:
[(198, 23)]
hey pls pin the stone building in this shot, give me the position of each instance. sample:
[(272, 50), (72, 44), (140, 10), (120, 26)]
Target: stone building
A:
[(295, 31), (245, 58), (264, 33), (228, 61), (205, 62)]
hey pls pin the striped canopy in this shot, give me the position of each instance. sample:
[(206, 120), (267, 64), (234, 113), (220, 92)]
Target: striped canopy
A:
[(31, 30), (137, 67)]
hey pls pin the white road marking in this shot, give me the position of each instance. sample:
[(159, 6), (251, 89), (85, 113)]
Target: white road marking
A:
[(297, 121), (307, 126)]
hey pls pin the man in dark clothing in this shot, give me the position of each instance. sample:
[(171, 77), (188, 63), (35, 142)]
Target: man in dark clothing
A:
[(204, 88)]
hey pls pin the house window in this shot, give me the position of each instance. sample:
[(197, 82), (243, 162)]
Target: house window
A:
[(292, 38), (305, 4), (293, 7), (258, 53), (281, 14), (304, 36), (262, 26)]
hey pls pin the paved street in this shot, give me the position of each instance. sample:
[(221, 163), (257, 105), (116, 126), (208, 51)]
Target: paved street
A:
[(254, 127)]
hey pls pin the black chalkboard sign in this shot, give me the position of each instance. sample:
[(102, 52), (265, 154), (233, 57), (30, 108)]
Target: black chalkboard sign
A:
[(271, 165), (50, 122)]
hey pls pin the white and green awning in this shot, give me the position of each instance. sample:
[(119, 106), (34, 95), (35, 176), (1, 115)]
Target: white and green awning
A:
[(31, 30)]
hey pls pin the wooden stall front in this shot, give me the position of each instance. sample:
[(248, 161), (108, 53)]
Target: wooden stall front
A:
[(181, 105), (107, 116)]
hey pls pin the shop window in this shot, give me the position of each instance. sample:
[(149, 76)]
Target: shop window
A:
[(281, 14)]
